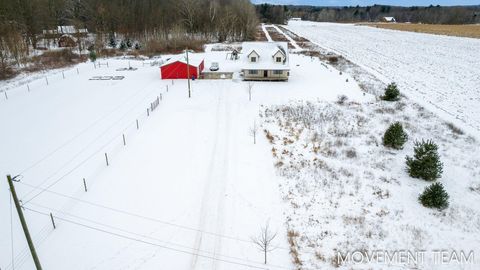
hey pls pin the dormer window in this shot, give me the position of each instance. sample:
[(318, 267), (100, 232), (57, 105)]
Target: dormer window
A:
[(253, 59), (278, 59)]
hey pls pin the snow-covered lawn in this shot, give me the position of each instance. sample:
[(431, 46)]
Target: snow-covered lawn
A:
[(188, 190), (345, 192), (440, 72)]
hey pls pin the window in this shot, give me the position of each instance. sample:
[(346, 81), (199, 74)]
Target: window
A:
[(253, 72), (278, 59), (278, 72), (253, 59)]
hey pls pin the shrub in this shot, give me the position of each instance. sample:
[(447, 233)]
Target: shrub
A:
[(112, 42), (391, 93), (123, 45), (342, 99), (394, 136), (425, 163), (92, 56), (434, 196)]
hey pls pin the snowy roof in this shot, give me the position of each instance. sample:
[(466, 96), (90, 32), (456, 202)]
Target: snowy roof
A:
[(389, 19), (69, 29), (193, 59), (266, 51)]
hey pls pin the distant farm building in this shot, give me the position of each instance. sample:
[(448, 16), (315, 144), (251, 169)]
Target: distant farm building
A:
[(388, 20), (177, 68), (65, 36), (67, 41), (265, 61), (65, 30), (295, 19)]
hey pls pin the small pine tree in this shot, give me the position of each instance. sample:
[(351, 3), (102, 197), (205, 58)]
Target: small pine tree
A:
[(434, 196), (391, 93), (137, 46), (425, 163), (112, 42), (129, 43), (123, 45), (394, 136), (93, 56)]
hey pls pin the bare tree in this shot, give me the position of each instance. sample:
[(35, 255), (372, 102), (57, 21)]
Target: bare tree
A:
[(254, 131), (264, 241), (250, 87)]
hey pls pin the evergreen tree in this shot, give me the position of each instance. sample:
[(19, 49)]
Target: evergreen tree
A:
[(112, 42), (395, 137), (425, 163), (391, 93), (434, 196), (93, 56), (123, 45), (129, 43), (137, 46)]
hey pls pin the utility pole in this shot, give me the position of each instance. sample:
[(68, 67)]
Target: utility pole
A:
[(188, 75), (24, 223)]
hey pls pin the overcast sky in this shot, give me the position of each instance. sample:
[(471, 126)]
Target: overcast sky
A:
[(371, 2)]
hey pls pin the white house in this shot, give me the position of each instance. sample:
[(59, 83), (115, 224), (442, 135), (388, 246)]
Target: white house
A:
[(389, 19), (265, 61)]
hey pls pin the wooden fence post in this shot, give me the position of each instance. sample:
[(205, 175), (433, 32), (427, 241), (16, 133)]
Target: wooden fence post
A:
[(85, 185), (63, 75), (53, 221), (124, 141), (28, 88), (106, 158), (137, 125), (6, 96), (46, 79)]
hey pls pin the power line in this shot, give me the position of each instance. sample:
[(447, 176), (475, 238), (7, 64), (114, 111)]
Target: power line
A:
[(149, 242), (89, 144), (79, 134), (146, 236), (144, 217), (11, 232), (133, 214)]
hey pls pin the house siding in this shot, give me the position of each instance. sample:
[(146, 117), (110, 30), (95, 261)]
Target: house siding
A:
[(260, 76)]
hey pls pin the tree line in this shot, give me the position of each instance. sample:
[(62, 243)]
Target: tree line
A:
[(22, 21), (415, 14)]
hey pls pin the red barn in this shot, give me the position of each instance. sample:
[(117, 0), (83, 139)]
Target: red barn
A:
[(177, 68)]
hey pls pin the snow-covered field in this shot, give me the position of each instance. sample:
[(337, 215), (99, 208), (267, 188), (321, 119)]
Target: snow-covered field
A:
[(189, 189), (440, 72)]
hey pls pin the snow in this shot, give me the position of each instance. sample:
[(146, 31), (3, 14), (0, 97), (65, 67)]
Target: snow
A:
[(194, 59), (439, 72), (189, 180), (290, 39), (267, 35), (266, 52)]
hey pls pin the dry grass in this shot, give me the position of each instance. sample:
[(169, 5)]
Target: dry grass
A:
[(55, 59), (260, 35), (462, 30)]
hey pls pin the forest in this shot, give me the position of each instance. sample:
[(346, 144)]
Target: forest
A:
[(151, 23), (428, 14)]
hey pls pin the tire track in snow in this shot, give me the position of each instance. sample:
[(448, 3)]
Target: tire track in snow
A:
[(211, 213)]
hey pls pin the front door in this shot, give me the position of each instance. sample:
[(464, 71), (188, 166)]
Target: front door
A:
[(265, 73)]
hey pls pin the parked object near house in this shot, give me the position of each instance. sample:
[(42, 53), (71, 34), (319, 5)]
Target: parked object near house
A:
[(177, 68), (67, 41), (388, 19), (265, 61), (214, 66)]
